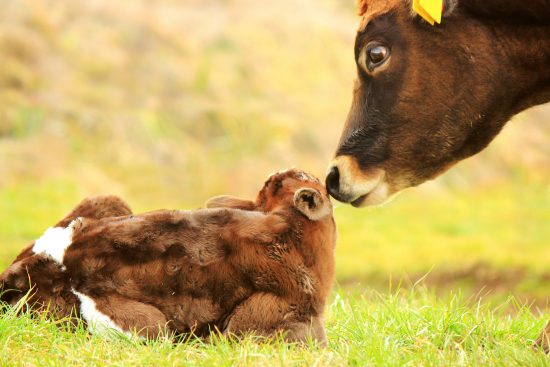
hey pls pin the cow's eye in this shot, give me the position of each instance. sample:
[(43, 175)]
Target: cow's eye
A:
[(376, 54)]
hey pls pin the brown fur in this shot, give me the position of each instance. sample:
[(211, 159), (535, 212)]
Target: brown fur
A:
[(237, 266), (446, 90)]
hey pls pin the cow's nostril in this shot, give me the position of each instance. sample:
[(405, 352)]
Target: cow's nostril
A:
[(333, 182)]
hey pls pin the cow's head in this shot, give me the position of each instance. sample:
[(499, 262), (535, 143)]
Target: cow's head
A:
[(425, 97)]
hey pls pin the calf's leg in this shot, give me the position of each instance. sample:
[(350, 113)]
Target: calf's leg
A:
[(49, 286), (123, 314), (266, 314)]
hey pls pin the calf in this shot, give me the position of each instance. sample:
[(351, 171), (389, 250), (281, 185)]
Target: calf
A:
[(237, 266)]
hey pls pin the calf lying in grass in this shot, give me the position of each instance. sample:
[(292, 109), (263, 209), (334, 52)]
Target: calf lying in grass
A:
[(238, 266)]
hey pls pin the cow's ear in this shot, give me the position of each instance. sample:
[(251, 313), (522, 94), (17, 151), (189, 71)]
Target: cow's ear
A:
[(449, 6), (232, 202), (311, 203), (362, 6)]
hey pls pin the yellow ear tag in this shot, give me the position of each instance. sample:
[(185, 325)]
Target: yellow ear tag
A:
[(430, 10)]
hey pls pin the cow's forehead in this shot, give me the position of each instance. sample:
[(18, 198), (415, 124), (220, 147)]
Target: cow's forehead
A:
[(371, 9)]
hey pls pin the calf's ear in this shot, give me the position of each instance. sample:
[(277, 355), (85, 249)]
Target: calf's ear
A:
[(311, 203), (232, 202)]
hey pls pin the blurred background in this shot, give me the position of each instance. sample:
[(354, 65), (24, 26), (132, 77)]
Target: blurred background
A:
[(167, 103)]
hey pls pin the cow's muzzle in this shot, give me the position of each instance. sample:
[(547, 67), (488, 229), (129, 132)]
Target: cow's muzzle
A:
[(348, 183)]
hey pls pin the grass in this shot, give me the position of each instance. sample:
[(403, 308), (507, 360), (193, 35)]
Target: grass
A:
[(403, 328)]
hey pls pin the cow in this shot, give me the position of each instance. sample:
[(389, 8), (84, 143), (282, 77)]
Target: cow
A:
[(237, 266), (427, 97)]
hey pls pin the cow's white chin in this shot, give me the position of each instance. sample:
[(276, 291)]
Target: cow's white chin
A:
[(377, 196)]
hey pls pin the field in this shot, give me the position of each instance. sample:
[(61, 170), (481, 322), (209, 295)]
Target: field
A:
[(403, 329), (168, 105)]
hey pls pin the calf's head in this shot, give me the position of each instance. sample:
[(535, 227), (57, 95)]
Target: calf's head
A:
[(286, 189), (425, 97)]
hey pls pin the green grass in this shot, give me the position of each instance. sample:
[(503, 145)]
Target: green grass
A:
[(403, 328)]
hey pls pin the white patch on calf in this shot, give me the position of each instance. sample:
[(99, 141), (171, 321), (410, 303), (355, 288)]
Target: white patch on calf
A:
[(55, 241), (97, 321)]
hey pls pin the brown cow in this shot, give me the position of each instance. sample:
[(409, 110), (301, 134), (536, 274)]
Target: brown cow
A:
[(428, 96), (265, 266)]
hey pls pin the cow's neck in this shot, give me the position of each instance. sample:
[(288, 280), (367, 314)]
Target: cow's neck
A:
[(525, 52), (522, 62), (529, 11)]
